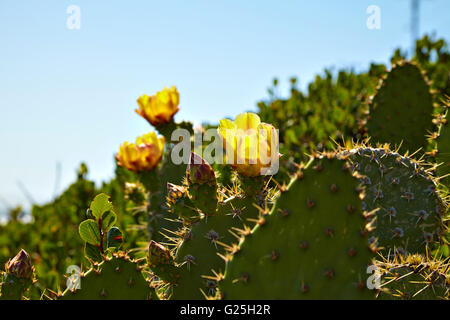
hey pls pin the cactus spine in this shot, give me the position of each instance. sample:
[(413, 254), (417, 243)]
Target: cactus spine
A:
[(414, 278), (443, 149)]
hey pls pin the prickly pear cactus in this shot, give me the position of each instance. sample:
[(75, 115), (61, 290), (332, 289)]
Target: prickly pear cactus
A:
[(414, 278), (155, 182), (212, 216), (402, 196), (118, 278), (313, 245), (17, 277), (443, 154), (202, 244), (401, 111), (161, 262)]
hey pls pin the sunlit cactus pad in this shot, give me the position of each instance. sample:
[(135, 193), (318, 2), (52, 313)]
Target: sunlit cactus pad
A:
[(115, 279), (313, 245)]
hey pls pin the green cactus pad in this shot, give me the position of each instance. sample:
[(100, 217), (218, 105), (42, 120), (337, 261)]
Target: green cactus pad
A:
[(198, 253), (414, 278), (409, 215), (13, 288), (402, 109), (159, 217), (161, 262), (443, 155), (204, 196), (313, 245), (115, 279), (180, 204)]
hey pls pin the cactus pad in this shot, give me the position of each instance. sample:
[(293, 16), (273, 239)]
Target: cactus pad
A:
[(115, 279), (414, 278), (199, 251), (443, 155), (401, 111), (408, 216), (313, 245)]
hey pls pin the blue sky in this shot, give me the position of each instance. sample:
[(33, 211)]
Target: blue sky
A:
[(68, 95)]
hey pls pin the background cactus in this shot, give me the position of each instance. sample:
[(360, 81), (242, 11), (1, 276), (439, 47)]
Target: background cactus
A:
[(401, 111)]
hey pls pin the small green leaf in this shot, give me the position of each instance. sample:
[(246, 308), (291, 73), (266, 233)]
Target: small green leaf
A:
[(89, 232), (108, 220), (93, 253), (100, 205), (115, 239)]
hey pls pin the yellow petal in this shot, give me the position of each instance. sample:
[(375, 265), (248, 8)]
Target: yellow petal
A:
[(161, 142), (226, 124), (175, 96), (227, 130), (143, 101), (147, 138), (247, 120), (226, 127), (160, 107), (247, 149)]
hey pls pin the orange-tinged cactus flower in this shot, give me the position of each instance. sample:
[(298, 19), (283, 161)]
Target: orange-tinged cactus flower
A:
[(199, 171), (251, 145), (20, 265), (143, 155), (160, 108)]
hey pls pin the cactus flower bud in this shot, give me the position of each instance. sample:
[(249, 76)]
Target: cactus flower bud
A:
[(20, 266), (143, 155), (175, 192), (159, 108), (199, 171), (158, 254)]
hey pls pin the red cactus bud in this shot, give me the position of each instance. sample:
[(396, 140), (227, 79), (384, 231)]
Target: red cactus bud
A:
[(199, 171), (20, 265)]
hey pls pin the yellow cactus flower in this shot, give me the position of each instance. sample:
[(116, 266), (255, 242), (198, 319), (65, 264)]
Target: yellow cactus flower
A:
[(143, 155), (251, 145), (159, 108)]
